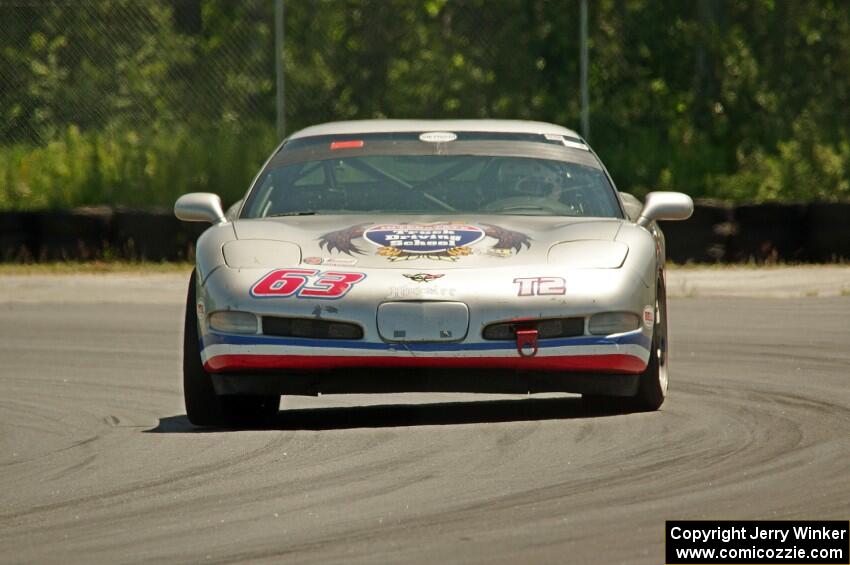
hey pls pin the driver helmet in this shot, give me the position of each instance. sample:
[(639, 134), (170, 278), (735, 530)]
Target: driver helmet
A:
[(530, 177)]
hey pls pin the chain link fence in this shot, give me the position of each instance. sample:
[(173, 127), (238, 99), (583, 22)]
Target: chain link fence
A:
[(134, 102), (93, 64), (129, 102), (96, 64)]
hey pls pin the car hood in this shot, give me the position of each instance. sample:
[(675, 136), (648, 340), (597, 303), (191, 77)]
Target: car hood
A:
[(440, 242)]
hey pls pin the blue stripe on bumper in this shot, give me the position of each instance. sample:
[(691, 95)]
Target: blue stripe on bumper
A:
[(636, 338)]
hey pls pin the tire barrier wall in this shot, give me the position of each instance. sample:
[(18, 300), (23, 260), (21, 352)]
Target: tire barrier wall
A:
[(96, 233), (761, 233), (717, 233)]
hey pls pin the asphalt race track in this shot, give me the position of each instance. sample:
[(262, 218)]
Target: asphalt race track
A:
[(98, 463)]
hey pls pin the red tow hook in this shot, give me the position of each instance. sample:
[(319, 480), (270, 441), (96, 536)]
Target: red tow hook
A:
[(526, 343)]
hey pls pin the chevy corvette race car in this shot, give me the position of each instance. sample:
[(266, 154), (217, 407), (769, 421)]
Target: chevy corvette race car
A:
[(403, 255)]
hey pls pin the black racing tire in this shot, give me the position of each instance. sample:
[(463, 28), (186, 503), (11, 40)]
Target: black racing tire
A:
[(203, 406), (652, 385)]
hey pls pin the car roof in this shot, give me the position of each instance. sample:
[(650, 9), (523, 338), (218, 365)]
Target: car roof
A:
[(397, 126)]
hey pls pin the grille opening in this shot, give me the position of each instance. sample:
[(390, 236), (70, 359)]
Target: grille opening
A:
[(308, 327), (546, 329)]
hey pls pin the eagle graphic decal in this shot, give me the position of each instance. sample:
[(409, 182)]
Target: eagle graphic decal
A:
[(442, 241), (507, 239), (340, 240)]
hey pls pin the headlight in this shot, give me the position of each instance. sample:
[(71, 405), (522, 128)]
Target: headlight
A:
[(260, 253), (233, 322), (589, 254), (608, 323)]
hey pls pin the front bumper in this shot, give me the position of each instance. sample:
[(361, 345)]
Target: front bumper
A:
[(587, 292), (626, 353)]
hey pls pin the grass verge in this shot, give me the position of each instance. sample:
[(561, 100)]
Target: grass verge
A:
[(93, 267)]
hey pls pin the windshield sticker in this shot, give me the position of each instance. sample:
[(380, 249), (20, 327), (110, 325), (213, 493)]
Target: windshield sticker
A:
[(438, 136), (565, 141), (447, 241), (352, 144), (575, 145)]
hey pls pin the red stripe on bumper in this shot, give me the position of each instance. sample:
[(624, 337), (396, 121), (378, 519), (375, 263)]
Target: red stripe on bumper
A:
[(587, 363)]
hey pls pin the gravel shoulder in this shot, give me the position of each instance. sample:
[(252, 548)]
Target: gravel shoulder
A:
[(760, 282)]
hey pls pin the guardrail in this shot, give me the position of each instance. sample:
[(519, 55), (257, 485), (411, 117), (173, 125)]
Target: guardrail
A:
[(717, 233)]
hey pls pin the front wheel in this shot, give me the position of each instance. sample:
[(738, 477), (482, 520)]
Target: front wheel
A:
[(203, 406), (652, 385), (652, 388)]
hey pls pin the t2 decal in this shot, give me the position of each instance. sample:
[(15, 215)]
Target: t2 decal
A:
[(305, 283), (540, 286)]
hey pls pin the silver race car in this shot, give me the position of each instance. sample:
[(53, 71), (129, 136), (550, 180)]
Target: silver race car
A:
[(408, 256)]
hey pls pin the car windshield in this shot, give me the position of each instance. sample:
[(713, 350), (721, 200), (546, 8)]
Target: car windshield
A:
[(401, 173)]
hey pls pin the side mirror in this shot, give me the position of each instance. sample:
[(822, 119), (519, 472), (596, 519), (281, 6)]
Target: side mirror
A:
[(199, 207), (666, 206)]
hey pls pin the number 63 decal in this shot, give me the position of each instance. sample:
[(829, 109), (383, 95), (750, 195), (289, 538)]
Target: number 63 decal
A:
[(305, 283)]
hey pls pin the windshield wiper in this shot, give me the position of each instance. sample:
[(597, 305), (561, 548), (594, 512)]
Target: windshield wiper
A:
[(302, 213)]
